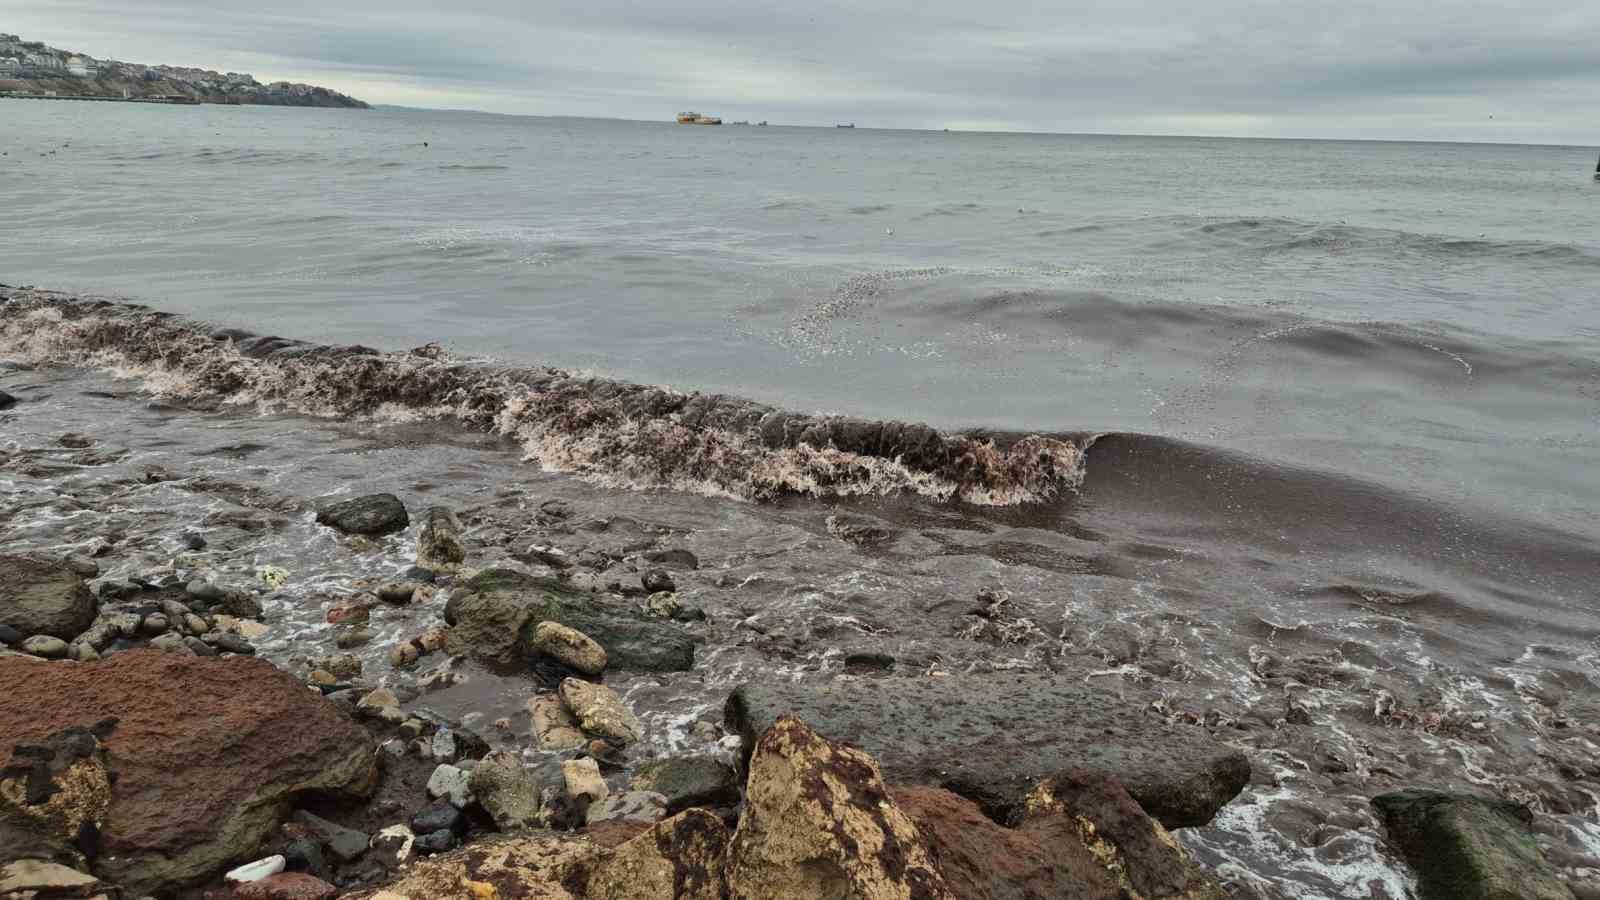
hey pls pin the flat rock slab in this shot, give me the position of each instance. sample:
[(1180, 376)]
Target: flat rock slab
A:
[(1469, 848), (204, 756), (992, 739)]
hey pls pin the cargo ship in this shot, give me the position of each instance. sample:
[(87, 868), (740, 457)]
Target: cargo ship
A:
[(693, 118)]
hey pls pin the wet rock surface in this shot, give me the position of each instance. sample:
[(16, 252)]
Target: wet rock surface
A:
[(992, 739), (1467, 847), (44, 596), (203, 756), (373, 514)]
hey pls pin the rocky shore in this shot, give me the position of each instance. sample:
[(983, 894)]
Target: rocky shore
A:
[(222, 681)]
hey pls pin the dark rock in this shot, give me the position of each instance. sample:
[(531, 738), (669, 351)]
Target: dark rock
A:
[(419, 574), (230, 643), (673, 559), (441, 841), (992, 739), (496, 613), (398, 593), (7, 401), (75, 441), (305, 855), (204, 592), (439, 816), (199, 647), (192, 540), (39, 595), (689, 781), (10, 636), (869, 660), (657, 580), (347, 844), (206, 755), (240, 605), (1469, 848), (371, 514)]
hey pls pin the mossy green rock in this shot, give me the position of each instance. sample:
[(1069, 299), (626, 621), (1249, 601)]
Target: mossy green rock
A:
[(495, 614), (688, 781), (1469, 848)]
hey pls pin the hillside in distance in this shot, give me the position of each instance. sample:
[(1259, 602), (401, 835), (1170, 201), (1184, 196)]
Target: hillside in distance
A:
[(31, 67)]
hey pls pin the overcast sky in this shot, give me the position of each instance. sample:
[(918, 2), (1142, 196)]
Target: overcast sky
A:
[(1406, 69)]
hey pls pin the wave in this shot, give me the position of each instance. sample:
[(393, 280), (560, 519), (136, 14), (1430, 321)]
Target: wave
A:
[(460, 167), (611, 432)]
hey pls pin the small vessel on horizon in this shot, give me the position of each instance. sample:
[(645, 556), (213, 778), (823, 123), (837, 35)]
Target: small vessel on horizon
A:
[(694, 118), (851, 125)]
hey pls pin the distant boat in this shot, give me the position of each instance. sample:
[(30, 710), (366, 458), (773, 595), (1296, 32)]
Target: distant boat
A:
[(851, 125), (761, 124), (694, 118)]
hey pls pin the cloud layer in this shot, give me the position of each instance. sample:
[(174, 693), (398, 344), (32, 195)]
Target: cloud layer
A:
[(1395, 70)]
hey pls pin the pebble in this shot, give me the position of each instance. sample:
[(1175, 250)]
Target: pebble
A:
[(393, 847), (347, 844), (398, 593), (172, 643), (403, 655), (231, 643), (255, 871), (444, 745), (440, 816), (192, 541), (195, 624), (204, 591), (451, 783), (657, 580), (154, 624), (305, 855), (663, 604), (600, 711), (570, 647), (7, 401), (199, 647), (419, 574), (349, 614), (349, 638), (582, 777), (82, 652), (381, 704), (251, 629), (46, 646), (344, 665), (9, 635), (436, 842), (287, 886)]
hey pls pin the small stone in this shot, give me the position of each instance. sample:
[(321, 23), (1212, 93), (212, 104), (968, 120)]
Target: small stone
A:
[(657, 580), (502, 724), (204, 591), (75, 441), (250, 628), (347, 844), (373, 514), (403, 655), (675, 558), (305, 855), (450, 783), (344, 665), (287, 886), (686, 781), (394, 748), (199, 647), (439, 542), (439, 679), (10, 636), (664, 605), (81, 564), (600, 711), (241, 605), (192, 540), (512, 795), (432, 640), (154, 624), (348, 638), (195, 625), (320, 677), (355, 613), (82, 652), (412, 728), (398, 593), (419, 574), (640, 807), (7, 401), (570, 647), (394, 846), (255, 871), (443, 745), (172, 643), (435, 842), (440, 816), (230, 643), (583, 779), (381, 704)]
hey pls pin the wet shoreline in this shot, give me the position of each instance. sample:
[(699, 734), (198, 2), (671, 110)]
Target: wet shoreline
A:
[(808, 588)]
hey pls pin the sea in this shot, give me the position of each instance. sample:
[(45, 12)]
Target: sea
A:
[(1293, 440)]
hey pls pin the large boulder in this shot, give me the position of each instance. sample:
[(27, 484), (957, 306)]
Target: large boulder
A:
[(681, 858), (39, 595), (496, 614), (371, 514), (818, 822), (1469, 848), (203, 760), (993, 738)]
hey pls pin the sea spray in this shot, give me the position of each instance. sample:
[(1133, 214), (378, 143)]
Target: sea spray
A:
[(609, 432)]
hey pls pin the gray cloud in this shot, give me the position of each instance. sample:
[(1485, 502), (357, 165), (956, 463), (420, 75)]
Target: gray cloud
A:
[(1400, 69)]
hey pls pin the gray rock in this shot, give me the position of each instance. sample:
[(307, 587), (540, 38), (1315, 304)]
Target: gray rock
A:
[(641, 807), (440, 816), (398, 593), (7, 401), (230, 643), (432, 842), (676, 558), (371, 514), (443, 746), (172, 643), (657, 580), (305, 855), (203, 591), (993, 738), (511, 794), (9, 635), (600, 711), (82, 652), (1469, 848), (687, 781), (199, 647), (81, 564), (44, 596), (439, 542), (154, 624), (450, 783), (346, 844), (496, 613), (46, 646)]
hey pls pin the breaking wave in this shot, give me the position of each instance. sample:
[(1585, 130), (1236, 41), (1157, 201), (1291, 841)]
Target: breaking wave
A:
[(611, 432)]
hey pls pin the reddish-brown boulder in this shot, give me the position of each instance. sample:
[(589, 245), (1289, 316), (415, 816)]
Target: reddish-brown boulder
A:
[(203, 760)]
